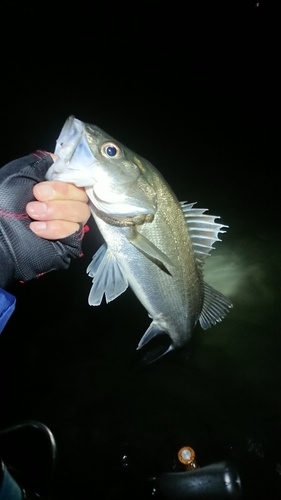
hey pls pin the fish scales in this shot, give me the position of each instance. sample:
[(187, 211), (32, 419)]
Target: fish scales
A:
[(153, 286), (170, 234), (153, 243)]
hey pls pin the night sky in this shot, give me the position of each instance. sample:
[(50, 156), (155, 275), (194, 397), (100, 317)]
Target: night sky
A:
[(170, 84), (196, 92)]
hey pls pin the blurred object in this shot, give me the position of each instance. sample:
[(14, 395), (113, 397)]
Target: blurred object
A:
[(28, 451), (217, 481), (9, 489)]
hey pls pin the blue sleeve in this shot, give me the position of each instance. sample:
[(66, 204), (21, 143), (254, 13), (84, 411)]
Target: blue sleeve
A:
[(7, 307)]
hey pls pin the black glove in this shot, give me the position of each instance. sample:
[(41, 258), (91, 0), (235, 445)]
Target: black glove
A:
[(23, 254)]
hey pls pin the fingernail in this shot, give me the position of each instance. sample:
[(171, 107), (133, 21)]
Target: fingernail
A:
[(38, 227), (37, 208), (45, 190)]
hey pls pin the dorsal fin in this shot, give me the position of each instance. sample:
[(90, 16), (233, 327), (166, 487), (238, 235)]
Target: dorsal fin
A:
[(202, 228)]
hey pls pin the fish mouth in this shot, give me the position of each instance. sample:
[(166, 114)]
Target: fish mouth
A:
[(72, 150), (69, 138), (72, 146)]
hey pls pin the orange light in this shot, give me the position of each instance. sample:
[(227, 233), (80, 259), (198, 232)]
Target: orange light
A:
[(186, 456)]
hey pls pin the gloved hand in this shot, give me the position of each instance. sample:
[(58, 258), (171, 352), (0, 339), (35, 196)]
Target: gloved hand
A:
[(23, 254)]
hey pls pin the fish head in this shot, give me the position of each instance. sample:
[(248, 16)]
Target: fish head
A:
[(114, 177)]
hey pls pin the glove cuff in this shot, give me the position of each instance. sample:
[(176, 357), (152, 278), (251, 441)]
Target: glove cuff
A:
[(7, 267)]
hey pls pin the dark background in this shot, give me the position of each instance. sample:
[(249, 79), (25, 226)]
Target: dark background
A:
[(196, 90)]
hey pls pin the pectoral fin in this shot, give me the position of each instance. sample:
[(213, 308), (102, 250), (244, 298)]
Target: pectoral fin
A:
[(108, 277), (147, 247)]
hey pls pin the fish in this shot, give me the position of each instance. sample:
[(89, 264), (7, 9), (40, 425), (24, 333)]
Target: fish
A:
[(153, 243)]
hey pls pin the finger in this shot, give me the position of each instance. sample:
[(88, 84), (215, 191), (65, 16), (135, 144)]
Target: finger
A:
[(54, 190), (53, 156), (54, 230), (67, 210)]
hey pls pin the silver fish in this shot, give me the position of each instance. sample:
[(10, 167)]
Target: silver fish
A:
[(153, 243)]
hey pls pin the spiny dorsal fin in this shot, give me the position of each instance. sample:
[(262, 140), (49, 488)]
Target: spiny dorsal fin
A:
[(202, 228)]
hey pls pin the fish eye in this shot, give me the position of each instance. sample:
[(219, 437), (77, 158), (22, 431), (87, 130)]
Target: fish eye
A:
[(110, 150)]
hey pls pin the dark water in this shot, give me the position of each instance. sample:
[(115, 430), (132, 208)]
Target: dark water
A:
[(209, 123)]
